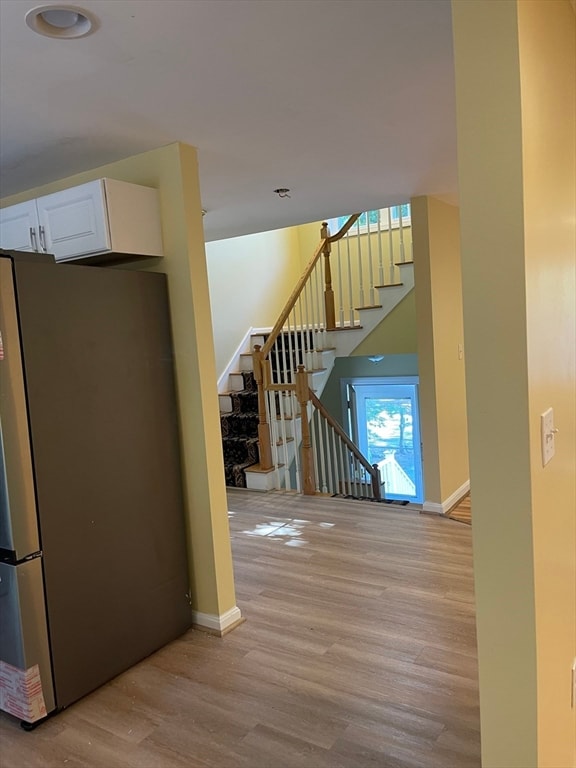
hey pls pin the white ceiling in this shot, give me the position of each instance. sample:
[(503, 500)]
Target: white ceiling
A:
[(349, 103)]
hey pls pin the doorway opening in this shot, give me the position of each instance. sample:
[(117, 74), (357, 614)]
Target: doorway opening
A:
[(384, 420)]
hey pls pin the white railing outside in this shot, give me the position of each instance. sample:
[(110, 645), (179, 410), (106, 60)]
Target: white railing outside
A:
[(394, 476)]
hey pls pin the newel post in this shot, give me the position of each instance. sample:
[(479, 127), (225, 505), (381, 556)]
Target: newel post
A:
[(264, 448), (307, 457), (376, 483), (328, 292)]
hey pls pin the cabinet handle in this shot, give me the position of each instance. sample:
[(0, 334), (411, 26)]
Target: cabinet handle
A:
[(33, 239), (43, 239)]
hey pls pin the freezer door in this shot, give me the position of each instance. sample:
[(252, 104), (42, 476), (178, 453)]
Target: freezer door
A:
[(26, 688), (18, 520)]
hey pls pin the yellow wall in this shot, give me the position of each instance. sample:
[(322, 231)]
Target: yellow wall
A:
[(173, 170), (547, 33), (438, 292), (251, 279), (516, 137)]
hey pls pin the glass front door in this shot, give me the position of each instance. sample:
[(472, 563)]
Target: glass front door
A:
[(385, 422)]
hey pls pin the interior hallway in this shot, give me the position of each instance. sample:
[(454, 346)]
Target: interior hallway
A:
[(358, 650)]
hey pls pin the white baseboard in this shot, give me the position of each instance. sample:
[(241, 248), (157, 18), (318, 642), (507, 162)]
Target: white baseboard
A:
[(217, 624), (433, 508), (234, 362)]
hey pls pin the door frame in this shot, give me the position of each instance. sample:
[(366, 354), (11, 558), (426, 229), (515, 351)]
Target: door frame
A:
[(350, 413)]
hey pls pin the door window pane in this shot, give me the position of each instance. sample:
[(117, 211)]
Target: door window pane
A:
[(386, 426)]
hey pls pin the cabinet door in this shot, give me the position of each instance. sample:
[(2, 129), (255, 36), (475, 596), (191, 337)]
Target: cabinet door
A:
[(19, 227), (74, 222)]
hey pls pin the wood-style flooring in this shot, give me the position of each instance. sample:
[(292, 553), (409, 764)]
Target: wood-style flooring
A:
[(462, 511), (358, 651)]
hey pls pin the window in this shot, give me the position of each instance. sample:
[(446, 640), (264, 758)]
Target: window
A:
[(381, 219)]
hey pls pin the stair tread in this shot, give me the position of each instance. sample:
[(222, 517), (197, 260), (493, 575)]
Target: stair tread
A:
[(402, 263), (389, 285), (346, 328), (369, 306), (257, 468)]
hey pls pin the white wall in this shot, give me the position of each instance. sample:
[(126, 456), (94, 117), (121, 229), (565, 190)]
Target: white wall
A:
[(250, 280)]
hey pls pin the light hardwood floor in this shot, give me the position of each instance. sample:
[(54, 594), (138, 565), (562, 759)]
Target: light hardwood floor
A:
[(358, 651), (462, 511)]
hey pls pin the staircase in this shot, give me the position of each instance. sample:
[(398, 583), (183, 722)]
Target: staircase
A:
[(239, 424), (309, 335)]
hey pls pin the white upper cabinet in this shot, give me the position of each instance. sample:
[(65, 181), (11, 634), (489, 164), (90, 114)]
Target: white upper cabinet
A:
[(74, 222), (94, 219), (19, 227)]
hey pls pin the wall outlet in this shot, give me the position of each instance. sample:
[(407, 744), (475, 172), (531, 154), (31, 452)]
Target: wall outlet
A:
[(573, 699)]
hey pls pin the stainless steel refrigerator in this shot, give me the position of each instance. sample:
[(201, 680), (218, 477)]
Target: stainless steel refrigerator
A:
[(93, 571)]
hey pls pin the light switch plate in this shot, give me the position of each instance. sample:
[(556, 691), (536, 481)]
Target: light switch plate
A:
[(547, 435)]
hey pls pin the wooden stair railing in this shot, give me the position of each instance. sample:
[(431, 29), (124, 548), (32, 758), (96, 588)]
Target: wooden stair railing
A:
[(349, 472), (296, 343), (299, 323), (325, 459), (324, 247)]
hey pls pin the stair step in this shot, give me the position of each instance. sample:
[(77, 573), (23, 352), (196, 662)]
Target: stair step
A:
[(225, 402), (371, 306), (403, 263), (257, 338), (258, 469), (389, 285), (235, 382), (281, 441), (345, 328), (235, 474), (246, 362)]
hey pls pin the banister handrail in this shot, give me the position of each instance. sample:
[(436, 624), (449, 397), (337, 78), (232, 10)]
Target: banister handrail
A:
[(345, 228), (294, 296), (372, 470), (289, 306)]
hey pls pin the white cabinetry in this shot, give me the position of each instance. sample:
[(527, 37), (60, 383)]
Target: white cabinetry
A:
[(19, 227), (94, 219)]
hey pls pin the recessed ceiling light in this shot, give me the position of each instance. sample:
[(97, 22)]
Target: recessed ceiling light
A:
[(61, 21)]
